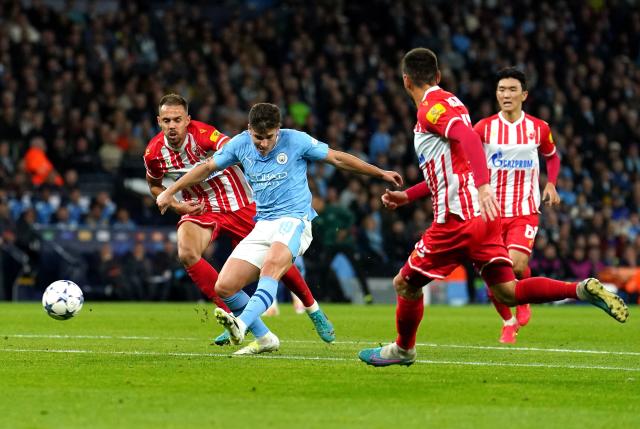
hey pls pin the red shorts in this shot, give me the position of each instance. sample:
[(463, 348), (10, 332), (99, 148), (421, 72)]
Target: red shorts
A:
[(519, 232), (237, 225), (444, 246)]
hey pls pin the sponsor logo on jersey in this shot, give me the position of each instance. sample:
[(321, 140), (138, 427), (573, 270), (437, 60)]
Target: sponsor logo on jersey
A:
[(282, 158), (261, 181), (435, 112), (498, 162), (203, 131), (214, 136), (532, 135)]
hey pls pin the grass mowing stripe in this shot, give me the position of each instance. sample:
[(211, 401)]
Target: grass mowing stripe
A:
[(358, 342), (316, 358)]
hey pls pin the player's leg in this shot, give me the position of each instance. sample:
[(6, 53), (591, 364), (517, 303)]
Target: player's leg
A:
[(522, 271), (419, 270), (193, 240), (520, 240), (511, 325), (271, 246), (541, 289), (409, 313), (293, 280), (234, 275), (509, 322)]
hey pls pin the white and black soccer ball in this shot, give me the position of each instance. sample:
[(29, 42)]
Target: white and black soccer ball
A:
[(62, 299)]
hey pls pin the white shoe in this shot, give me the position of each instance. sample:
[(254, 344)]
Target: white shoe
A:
[(265, 344), (235, 326)]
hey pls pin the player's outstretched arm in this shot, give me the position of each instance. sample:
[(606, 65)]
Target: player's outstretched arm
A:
[(191, 207), (348, 162), (196, 175), (394, 199)]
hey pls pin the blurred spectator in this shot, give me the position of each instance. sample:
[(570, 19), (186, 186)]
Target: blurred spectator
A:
[(137, 270), (38, 165), (333, 228), (123, 220)]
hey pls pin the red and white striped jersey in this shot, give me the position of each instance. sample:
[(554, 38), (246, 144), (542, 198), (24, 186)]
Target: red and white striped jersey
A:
[(443, 163), (224, 191), (512, 158)]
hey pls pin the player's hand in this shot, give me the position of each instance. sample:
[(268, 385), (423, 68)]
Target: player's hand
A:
[(489, 208), (394, 199), (392, 177), (164, 200), (193, 208), (550, 196)]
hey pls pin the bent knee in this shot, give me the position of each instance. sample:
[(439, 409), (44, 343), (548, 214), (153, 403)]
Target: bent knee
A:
[(224, 288), (187, 256), (405, 290), (505, 293)]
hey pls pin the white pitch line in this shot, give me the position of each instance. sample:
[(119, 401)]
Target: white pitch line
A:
[(360, 342), (318, 358)]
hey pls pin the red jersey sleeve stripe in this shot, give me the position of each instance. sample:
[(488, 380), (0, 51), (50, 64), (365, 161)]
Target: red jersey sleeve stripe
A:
[(239, 188)]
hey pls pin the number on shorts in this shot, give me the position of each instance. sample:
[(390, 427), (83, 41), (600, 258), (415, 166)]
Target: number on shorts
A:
[(286, 227), (530, 231)]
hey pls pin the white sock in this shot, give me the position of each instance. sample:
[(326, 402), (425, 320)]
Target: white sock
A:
[(511, 321), (313, 307)]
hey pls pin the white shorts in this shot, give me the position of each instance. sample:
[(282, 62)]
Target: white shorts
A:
[(293, 232)]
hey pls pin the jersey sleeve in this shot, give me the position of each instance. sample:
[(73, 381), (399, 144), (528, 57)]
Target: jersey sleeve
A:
[(228, 153), (481, 129), (208, 137), (437, 118), (312, 149), (152, 165), (547, 146)]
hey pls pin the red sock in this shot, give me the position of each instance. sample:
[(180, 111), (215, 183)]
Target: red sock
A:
[(408, 316), (205, 277), (541, 289), (503, 310), (293, 280)]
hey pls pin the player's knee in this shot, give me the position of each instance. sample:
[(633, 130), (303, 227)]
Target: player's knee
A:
[(519, 268), (505, 293), (188, 256), (404, 289), (224, 288)]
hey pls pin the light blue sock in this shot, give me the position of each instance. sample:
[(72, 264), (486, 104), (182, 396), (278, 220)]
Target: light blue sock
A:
[(237, 304), (261, 300)]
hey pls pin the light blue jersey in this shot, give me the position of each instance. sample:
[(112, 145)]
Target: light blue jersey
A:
[(279, 180)]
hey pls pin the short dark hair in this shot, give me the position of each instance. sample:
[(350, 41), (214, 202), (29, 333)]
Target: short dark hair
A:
[(421, 65), (173, 100), (264, 117), (512, 72)]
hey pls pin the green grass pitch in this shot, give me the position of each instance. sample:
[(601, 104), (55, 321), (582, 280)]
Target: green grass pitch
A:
[(151, 366)]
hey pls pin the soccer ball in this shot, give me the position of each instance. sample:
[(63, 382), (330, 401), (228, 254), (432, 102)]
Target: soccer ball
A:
[(62, 299)]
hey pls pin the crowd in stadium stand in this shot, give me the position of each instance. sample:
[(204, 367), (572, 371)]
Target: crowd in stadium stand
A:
[(79, 91)]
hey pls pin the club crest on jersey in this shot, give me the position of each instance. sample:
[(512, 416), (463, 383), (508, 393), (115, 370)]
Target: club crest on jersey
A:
[(435, 112), (282, 158)]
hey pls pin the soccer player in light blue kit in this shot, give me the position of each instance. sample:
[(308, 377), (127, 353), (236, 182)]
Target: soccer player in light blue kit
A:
[(275, 164)]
